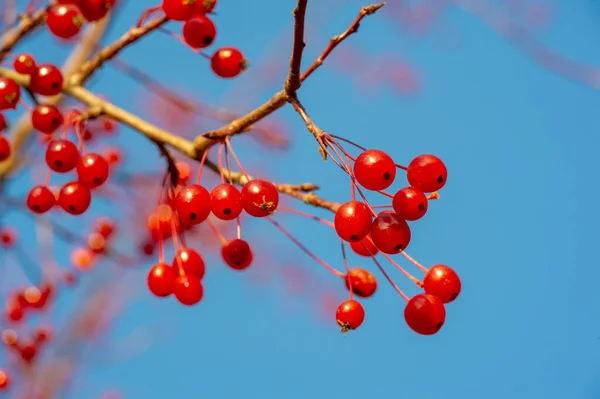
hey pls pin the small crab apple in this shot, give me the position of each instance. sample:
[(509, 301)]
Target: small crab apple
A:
[(226, 201), (199, 32), (10, 94), (259, 198), (4, 379), (64, 20), (47, 80), (5, 150), (75, 198), (95, 10), (352, 221), (390, 233), (363, 282), (425, 314), (374, 170), (92, 170), (237, 254), (193, 204), (28, 353), (350, 315), (427, 173), (364, 247), (190, 262), (410, 203), (188, 290), (179, 10), (40, 199), (25, 64), (46, 118), (228, 62), (442, 282), (62, 156), (161, 280)]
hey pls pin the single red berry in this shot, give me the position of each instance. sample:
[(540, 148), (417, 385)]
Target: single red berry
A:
[(350, 315), (75, 198), (161, 280), (8, 237), (359, 247), (46, 118), (363, 282), (42, 334), (95, 10), (62, 156), (352, 221), (5, 149), (188, 290), (28, 353), (410, 203), (259, 198), (226, 202), (443, 282), (105, 226), (4, 379), (40, 199), (14, 310), (193, 204), (64, 21), (203, 7), (425, 314), (25, 64), (390, 233), (237, 254), (190, 262), (92, 170), (199, 32), (228, 62), (374, 170), (178, 10), (10, 94), (47, 80), (427, 173)]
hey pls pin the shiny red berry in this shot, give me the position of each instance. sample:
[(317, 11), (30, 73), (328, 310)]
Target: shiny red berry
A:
[(350, 315), (237, 254), (161, 280), (443, 282), (5, 149), (92, 170), (64, 21), (25, 64), (62, 156), (193, 204), (46, 118), (95, 10), (75, 198), (410, 203), (47, 80), (190, 262), (363, 282), (199, 32), (188, 290), (259, 198), (40, 199), (427, 173), (10, 94), (425, 314), (226, 202), (352, 221), (390, 233), (228, 62), (178, 10), (374, 170), (359, 247)]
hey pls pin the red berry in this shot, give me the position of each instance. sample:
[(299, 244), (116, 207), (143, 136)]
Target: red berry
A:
[(14, 310), (4, 379), (410, 203), (178, 10), (42, 334), (5, 150), (363, 282), (64, 21), (374, 170), (92, 170), (46, 118), (350, 315), (259, 198), (427, 173), (228, 62), (62, 156), (10, 94), (352, 221), (75, 198), (425, 314), (443, 282), (237, 254), (95, 10), (161, 280), (25, 64), (47, 80), (359, 247), (28, 353), (390, 233), (106, 227), (199, 32), (193, 204), (40, 199), (203, 7), (190, 262), (226, 202), (188, 290)]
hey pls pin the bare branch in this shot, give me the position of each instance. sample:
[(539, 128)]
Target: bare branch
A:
[(25, 27), (293, 80)]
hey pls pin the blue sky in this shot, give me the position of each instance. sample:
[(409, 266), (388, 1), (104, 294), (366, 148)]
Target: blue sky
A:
[(517, 218)]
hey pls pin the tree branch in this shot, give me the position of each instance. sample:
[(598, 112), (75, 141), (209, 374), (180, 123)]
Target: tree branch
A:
[(293, 80), (25, 27)]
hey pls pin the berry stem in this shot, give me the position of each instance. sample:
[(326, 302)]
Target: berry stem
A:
[(347, 269), (216, 231), (48, 175), (387, 277), (220, 162), (235, 158), (306, 215), (360, 147), (402, 270), (414, 262), (147, 14), (202, 162), (229, 176)]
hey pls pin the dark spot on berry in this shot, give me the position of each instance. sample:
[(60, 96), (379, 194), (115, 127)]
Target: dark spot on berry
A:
[(97, 180), (421, 206), (54, 121), (36, 207), (440, 179), (453, 296), (399, 247), (72, 208), (227, 211), (55, 85), (207, 40), (386, 176), (58, 163), (353, 237), (438, 326), (192, 216)]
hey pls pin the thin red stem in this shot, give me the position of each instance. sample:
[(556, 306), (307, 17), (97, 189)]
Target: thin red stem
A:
[(235, 158), (414, 262), (347, 269), (360, 147), (202, 162), (388, 278), (216, 231), (306, 215), (220, 162), (407, 274)]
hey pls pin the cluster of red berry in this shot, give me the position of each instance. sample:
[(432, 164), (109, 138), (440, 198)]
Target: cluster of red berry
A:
[(65, 18)]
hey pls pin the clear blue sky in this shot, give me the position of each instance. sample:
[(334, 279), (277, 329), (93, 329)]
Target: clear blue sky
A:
[(517, 219)]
